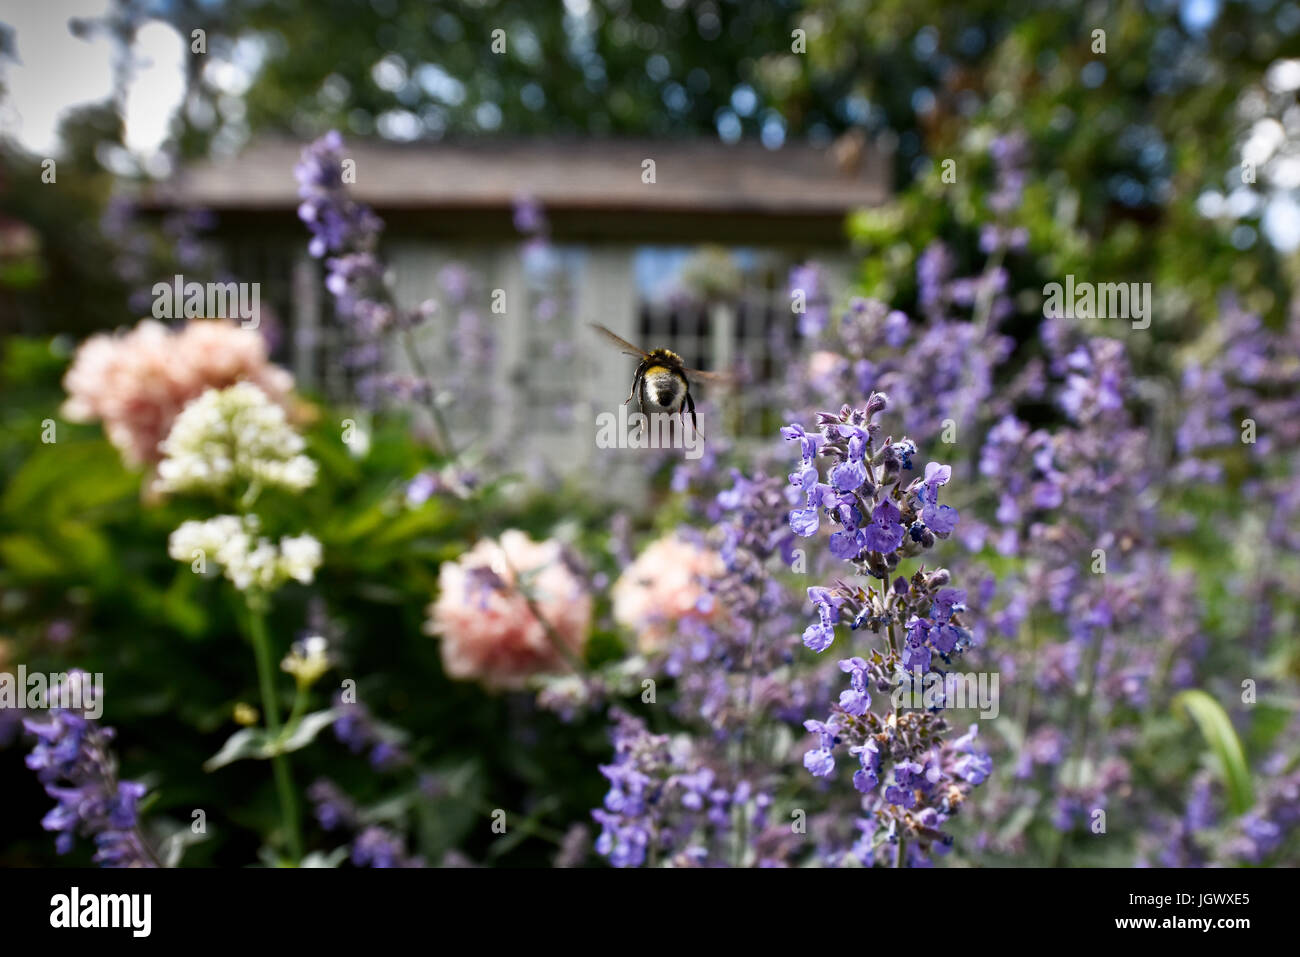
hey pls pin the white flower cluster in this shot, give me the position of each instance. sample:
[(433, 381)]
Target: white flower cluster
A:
[(249, 560), (230, 435)]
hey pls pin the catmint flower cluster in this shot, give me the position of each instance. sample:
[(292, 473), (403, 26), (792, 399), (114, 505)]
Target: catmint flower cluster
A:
[(733, 666), (372, 844), (883, 514), (530, 220), (574, 847), (357, 728), (939, 373), (1181, 840), (74, 761), (663, 805), (1201, 835), (452, 481), (1075, 505), (348, 229), (1265, 829), (337, 222), (1010, 154), (737, 693), (808, 288), (912, 779), (377, 846)]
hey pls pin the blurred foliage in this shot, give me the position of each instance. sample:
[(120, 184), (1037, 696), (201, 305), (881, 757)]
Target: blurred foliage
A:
[(65, 284), (85, 579)]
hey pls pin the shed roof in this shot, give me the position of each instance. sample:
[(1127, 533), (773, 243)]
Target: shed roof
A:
[(584, 185)]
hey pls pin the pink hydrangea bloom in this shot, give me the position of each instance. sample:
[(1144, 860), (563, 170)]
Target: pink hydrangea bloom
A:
[(667, 584), (488, 631), (137, 382)]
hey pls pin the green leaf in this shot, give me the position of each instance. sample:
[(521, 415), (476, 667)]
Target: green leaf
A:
[(320, 859), (173, 847), (67, 478), (257, 744), (1218, 732), (29, 558), (304, 732), (244, 743)]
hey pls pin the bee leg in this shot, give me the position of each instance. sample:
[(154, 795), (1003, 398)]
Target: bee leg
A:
[(689, 403), (637, 378), (638, 383)]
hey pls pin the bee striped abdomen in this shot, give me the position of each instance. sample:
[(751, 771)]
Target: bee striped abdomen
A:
[(662, 388)]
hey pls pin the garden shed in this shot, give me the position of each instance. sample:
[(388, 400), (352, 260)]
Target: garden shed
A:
[(685, 244)]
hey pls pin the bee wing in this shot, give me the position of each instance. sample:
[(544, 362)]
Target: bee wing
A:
[(714, 378), (619, 341)]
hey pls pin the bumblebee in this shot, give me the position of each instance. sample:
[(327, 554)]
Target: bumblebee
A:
[(660, 383)]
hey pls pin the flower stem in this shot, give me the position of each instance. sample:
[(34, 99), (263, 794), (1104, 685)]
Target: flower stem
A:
[(295, 713), (554, 637), (413, 356), (271, 709)]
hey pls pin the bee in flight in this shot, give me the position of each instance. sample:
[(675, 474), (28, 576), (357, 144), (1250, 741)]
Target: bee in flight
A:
[(660, 383)]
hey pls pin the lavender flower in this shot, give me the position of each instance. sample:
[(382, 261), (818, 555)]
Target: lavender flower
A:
[(661, 801), (73, 760), (807, 284), (348, 229), (882, 518), (357, 728), (910, 779), (1010, 154), (333, 808), (708, 800), (529, 218), (379, 847), (337, 222)]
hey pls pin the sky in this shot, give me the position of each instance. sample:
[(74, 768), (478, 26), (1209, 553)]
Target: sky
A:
[(57, 71)]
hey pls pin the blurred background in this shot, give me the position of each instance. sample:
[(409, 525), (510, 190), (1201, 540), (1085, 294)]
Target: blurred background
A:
[(176, 125), (504, 145)]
